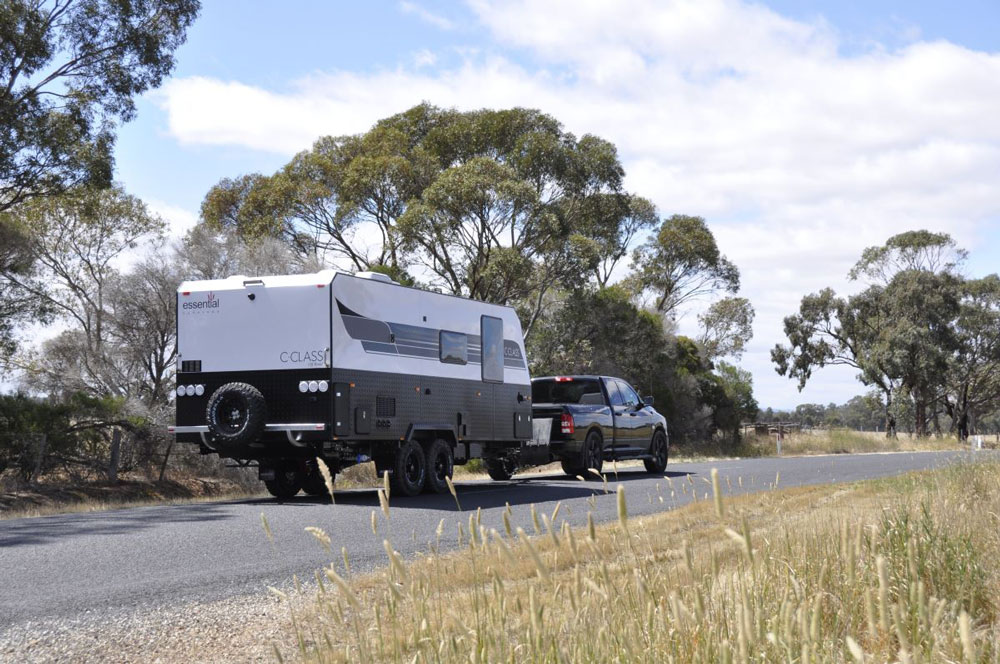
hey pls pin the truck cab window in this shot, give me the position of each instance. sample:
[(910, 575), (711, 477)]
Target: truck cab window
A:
[(614, 394), (587, 392), (454, 347), (492, 340), (629, 395)]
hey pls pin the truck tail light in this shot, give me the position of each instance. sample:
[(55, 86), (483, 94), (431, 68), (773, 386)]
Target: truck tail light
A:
[(564, 379), (567, 423)]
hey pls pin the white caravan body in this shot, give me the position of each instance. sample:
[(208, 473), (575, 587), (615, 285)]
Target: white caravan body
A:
[(347, 367)]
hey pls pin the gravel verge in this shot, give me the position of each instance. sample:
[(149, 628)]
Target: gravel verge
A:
[(236, 629)]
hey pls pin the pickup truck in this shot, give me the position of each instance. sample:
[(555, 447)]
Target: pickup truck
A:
[(597, 419)]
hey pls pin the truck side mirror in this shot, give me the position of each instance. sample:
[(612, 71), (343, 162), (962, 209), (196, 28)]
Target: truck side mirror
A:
[(647, 401)]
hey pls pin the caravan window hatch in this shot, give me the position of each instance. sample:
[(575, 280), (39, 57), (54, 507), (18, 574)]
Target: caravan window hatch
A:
[(454, 347), (492, 339)]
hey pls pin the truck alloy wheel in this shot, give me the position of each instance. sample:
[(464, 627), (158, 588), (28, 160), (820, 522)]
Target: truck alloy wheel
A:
[(409, 469), (501, 469), (313, 483), (593, 452), (440, 464), (659, 449), (236, 414)]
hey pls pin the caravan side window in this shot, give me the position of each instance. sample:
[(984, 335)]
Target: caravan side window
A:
[(454, 347), (492, 338)]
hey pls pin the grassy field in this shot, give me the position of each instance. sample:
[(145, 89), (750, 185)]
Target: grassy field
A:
[(892, 570), (821, 441)]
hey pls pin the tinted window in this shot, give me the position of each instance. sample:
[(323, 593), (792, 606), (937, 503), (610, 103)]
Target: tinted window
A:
[(454, 347), (492, 329), (586, 391), (614, 394), (628, 394)]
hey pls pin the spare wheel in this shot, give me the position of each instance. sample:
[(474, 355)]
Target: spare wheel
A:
[(236, 414)]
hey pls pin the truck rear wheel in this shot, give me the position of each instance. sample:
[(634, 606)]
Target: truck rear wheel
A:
[(409, 469), (286, 484), (313, 483), (440, 465), (500, 469), (659, 449), (591, 457)]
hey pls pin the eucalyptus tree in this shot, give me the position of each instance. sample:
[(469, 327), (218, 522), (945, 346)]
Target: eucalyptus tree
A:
[(682, 262), (77, 243), (912, 251), (726, 327), (500, 206), (69, 73), (899, 332), (972, 388), (16, 306)]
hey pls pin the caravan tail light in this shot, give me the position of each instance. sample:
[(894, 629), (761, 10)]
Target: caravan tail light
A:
[(323, 386), (303, 386), (567, 423)]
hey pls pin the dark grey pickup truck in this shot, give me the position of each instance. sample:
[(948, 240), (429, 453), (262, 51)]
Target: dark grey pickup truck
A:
[(597, 419)]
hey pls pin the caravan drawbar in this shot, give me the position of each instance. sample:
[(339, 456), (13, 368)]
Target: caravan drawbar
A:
[(349, 368)]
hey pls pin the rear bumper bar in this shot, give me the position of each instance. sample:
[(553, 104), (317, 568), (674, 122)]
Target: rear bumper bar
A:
[(292, 431)]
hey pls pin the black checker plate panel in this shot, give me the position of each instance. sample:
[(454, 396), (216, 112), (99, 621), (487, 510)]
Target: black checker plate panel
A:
[(285, 404)]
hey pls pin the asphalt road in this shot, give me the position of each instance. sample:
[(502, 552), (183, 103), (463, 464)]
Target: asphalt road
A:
[(83, 564)]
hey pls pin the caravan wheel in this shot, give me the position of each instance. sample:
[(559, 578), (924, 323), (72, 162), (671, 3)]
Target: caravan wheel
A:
[(286, 483), (409, 469), (440, 465)]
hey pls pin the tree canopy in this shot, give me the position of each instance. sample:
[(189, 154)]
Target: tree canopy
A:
[(682, 262), (499, 206), (69, 72), (920, 331)]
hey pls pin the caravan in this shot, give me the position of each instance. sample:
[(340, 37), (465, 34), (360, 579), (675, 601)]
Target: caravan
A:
[(349, 368)]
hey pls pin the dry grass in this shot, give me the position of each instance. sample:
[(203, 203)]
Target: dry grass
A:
[(891, 570), (818, 441), (846, 441), (42, 500)]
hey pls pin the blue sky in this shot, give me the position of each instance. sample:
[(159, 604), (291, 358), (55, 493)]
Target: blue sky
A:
[(803, 131)]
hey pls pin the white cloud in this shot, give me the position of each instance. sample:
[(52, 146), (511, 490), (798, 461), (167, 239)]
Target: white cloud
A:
[(179, 220), (799, 156), (425, 15), (424, 58)]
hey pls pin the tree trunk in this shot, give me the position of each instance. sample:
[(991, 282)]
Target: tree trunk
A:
[(116, 448), (920, 417), (890, 419), (39, 458), (166, 457), (963, 426)]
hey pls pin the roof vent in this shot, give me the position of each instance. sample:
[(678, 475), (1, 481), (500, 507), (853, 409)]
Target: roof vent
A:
[(377, 276)]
